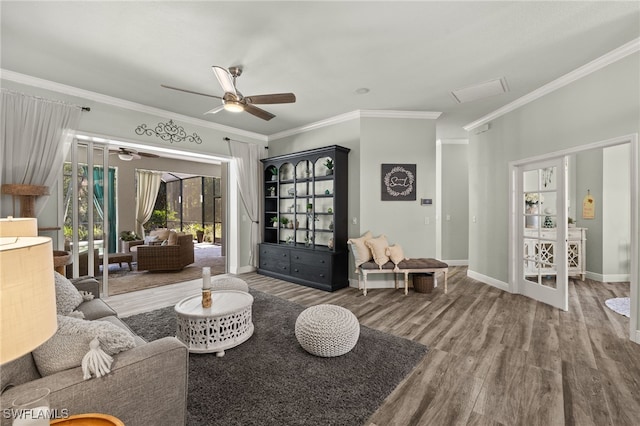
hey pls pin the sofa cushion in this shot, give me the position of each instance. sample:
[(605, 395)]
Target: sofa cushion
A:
[(173, 238), (162, 234), (19, 371), (361, 252), (68, 298), (422, 263), (70, 343), (95, 309), (378, 247), (151, 239)]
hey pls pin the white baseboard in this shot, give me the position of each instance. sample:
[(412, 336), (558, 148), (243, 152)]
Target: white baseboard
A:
[(463, 262), (488, 280), (242, 270), (610, 278)]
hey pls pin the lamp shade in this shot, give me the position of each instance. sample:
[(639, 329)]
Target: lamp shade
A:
[(27, 295), (19, 227)]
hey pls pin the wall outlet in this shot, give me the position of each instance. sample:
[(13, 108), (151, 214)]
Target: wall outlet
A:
[(354, 220), (448, 217)]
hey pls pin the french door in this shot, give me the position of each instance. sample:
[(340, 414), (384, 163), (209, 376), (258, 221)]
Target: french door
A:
[(541, 220)]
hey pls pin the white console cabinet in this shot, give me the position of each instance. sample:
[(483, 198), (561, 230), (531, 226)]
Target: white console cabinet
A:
[(543, 251)]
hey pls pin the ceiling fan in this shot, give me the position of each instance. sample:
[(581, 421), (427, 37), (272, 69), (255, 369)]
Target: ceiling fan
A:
[(131, 154), (234, 101)]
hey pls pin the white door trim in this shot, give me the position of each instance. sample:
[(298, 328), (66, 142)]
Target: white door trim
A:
[(632, 140)]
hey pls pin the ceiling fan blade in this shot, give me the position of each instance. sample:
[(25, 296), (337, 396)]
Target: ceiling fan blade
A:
[(225, 79), (274, 98), (260, 113), (190, 91), (216, 109), (148, 155)]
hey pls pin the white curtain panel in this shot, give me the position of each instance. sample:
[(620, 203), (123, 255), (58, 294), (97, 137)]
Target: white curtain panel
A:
[(247, 159), (146, 194), (36, 135)]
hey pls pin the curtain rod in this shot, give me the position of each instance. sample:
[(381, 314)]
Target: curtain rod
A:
[(226, 139)]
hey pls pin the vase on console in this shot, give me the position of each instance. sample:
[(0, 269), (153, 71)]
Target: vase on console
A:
[(532, 220)]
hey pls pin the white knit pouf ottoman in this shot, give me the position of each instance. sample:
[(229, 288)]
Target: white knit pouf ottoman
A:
[(327, 330), (228, 283)]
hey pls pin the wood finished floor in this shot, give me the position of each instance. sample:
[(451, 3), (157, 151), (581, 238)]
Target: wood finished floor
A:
[(494, 358)]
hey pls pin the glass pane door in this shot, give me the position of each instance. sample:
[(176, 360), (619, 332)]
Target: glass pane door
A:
[(543, 232)]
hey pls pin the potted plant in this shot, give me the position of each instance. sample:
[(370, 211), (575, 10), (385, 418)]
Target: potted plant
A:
[(125, 238), (571, 222), (329, 165), (284, 221), (273, 171), (274, 221)]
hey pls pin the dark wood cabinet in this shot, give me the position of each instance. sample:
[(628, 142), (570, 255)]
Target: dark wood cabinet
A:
[(305, 221)]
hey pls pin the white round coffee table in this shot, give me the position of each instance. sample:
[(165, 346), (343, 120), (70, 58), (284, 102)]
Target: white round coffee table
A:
[(226, 324)]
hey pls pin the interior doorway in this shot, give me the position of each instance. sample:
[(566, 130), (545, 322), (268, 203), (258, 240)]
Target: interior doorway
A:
[(574, 208)]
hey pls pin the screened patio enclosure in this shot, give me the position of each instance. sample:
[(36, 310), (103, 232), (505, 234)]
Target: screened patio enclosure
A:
[(191, 204)]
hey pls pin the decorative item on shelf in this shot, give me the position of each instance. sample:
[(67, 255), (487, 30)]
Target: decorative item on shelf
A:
[(291, 208), (290, 224), (297, 224), (329, 165), (571, 222), (27, 195), (284, 221), (548, 222), (289, 239), (330, 243), (274, 221), (309, 207), (291, 191), (273, 171), (532, 199), (331, 226), (330, 210), (307, 241), (327, 192), (272, 191)]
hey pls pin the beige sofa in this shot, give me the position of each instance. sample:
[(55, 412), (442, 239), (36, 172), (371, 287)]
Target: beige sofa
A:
[(147, 384)]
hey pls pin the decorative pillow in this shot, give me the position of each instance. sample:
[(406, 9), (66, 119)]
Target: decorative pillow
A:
[(361, 252), (162, 234), (66, 348), (165, 243), (150, 239), (378, 247), (395, 253), (68, 298)]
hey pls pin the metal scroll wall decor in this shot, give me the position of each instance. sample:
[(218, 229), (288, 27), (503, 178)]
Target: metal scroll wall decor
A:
[(168, 132)]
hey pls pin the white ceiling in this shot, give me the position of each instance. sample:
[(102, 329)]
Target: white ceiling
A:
[(410, 55)]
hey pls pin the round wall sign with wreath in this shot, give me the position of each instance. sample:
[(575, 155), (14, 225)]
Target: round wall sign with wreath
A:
[(398, 182)]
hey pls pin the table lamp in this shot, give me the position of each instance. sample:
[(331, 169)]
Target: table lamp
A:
[(27, 295)]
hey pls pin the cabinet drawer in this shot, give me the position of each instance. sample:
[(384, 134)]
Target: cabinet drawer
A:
[(316, 274), (275, 264), (275, 252), (310, 258)]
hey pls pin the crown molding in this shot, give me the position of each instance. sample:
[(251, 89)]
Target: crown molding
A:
[(420, 115), (452, 142), (121, 103), (607, 59), (367, 113)]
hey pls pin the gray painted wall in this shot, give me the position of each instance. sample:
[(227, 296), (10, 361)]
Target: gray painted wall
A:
[(600, 106), (616, 227), (589, 178), (455, 202)]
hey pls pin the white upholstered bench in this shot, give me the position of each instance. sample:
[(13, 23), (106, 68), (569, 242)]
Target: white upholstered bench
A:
[(406, 267)]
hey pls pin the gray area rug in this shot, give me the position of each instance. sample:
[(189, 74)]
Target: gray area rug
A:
[(620, 305), (271, 380)]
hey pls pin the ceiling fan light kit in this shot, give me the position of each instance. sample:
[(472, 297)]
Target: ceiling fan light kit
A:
[(125, 157), (234, 101)]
